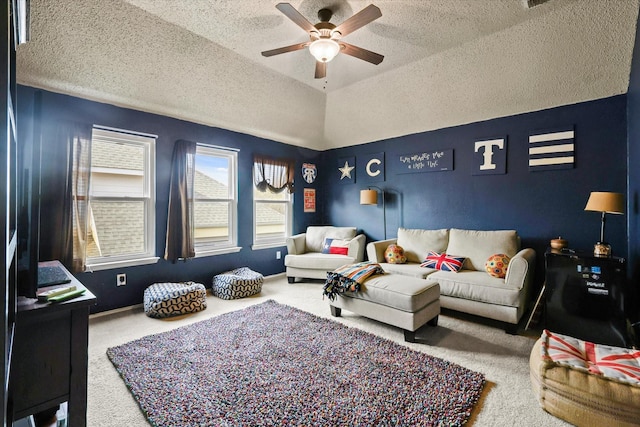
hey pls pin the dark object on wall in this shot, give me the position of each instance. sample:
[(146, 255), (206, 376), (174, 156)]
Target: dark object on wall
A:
[(490, 156), (552, 150), (586, 297), (426, 161)]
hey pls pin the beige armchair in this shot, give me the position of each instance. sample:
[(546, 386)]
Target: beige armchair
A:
[(305, 259)]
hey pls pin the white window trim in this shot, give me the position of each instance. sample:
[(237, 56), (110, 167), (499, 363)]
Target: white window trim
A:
[(231, 245), (147, 257), (221, 251), (120, 264), (260, 246)]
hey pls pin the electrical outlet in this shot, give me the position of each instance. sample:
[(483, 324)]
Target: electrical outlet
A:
[(278, 255), (121, 279)]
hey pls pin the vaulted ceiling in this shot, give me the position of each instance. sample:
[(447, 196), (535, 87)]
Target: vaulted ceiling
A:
[(446, 62)]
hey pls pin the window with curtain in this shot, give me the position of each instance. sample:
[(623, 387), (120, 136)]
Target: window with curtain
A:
[(119, 222), (215, 200), (66, 147), (272, 201), (202, 218)]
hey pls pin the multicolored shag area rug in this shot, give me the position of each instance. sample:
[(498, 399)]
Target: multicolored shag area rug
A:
[(275, 365)]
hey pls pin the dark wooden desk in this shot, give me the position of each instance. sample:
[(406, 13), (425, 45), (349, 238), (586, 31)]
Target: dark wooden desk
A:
[(49, 363)]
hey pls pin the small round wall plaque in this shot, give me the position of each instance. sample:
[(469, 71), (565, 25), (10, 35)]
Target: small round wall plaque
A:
[(309, 172)]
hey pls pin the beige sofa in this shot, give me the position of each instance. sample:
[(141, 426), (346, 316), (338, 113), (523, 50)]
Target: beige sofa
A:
[(472, 289), (305, 259)]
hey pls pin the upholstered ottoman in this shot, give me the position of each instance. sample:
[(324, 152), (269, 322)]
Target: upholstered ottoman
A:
[(172, 299), (239, 283), (586, 384), (402, 301)]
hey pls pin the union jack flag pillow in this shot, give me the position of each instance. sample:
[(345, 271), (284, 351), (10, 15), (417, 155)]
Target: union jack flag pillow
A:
[(621, 364), (443, 261)]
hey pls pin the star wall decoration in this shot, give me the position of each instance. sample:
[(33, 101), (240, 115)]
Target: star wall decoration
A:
[(346, 170)]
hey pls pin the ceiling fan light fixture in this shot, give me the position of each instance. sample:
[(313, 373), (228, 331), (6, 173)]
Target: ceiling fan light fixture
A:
[(324, 50)]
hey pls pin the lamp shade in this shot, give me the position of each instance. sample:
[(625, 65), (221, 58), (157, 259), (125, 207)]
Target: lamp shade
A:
[(324, 50), (600, 201), (368, 197)]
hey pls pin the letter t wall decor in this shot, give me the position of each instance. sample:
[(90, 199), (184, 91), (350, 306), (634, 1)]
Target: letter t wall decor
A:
[(490, 156)]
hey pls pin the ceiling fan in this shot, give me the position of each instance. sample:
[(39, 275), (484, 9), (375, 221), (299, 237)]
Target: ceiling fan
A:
[(325, 38)]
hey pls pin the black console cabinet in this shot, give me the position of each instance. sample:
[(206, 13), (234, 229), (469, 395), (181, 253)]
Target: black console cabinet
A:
[(586, 297), (50, 355)]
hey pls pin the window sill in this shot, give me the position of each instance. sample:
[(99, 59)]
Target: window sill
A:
[(258, 246), (222, 251), (120, 264)]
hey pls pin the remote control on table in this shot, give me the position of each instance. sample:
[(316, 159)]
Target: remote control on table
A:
[(66, 296), (44, 296)]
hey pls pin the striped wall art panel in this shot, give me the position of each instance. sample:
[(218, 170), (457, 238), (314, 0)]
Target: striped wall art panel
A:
[(549, 151)]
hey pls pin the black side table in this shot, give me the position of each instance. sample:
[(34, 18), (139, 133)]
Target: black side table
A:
[(586, 297)]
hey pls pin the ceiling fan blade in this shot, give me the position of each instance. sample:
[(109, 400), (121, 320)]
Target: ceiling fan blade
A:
[(321, 70), (360, 53), (291, 13), (285, 49), (360, 19)]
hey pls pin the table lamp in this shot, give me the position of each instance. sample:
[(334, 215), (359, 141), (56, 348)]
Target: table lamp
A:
[(605, 202)]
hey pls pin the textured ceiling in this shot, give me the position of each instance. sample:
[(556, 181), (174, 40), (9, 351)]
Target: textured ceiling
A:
[(447, 62)]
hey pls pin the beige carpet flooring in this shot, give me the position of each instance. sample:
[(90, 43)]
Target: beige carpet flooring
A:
[(508, 399)]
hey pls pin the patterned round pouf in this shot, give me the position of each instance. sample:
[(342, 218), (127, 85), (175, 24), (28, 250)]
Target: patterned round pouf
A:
[(172, 299), (239, 283)]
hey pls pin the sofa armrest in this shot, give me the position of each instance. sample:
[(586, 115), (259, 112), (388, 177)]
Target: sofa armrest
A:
[(356, 247), (521, 268), (375, 250), (296, 244)]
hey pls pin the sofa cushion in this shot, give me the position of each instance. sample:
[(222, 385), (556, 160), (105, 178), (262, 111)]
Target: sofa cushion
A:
[(417, 243), (497, 265), (615, 363), (318, 261), (315, 235), (408, 294), (409, 269), (478, 246), (394, 254), (579, 397), (476, 286), (335, 246), (443, 261)]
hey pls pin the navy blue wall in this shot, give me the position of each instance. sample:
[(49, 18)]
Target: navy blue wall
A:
[(59, 109), (539, 205)]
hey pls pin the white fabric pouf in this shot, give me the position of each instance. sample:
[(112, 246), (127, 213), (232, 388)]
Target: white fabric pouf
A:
[(239, 283), (172, 299)]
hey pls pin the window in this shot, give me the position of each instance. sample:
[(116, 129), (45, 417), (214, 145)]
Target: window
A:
[(273, 210), (272, 218), (215, 201), (121, 215)]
